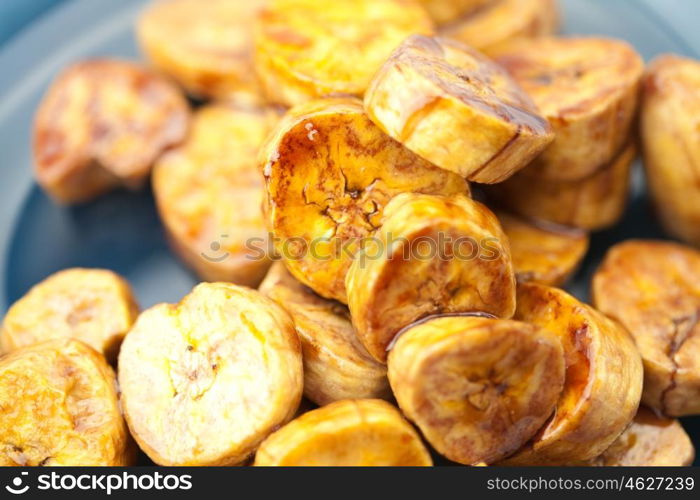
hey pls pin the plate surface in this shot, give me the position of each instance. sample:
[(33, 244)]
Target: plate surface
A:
[(121, 231)]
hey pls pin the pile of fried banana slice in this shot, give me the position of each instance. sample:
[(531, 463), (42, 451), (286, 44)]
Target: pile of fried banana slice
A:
[(382, 199)]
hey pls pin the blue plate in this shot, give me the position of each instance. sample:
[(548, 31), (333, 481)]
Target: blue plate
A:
[(121, 231)]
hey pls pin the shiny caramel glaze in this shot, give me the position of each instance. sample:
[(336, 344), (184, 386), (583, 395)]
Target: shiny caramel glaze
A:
[(477, 388), (653, 289), (406, 273), (603, 382), (456, 108), (329, 171), (102, 124)]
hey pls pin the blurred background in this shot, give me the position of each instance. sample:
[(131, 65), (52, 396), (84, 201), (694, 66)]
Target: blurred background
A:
[(16, 14)]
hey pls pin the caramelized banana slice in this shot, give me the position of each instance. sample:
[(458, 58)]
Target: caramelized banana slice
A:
[(587, 88), (205, 381), (432, 255), (669, 125), (444, 11), (306, 49), (603, 378), (59, 406), (329, 172), (336, 365), (102, 124), (477, 388), (593, 203), (361, 432), (649, 441), (457, 109), (207, 47), (653, 289), (95, 306), (503, 21), (209, 192), (543, 253)]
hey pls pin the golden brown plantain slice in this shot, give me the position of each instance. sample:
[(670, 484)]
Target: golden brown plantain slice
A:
[(603, 378), (329, 172), (669, 126), (593, 203), (543, 253), (205, 381), (209, 193), (503, 21), (102, 124), (95, 306), (207, 47), (457, 109), (587, 88), (653, 289), (651, 441), (432, 255), (336, 365), (359, 432), (445, 11), (306, 49), (478, 388), (59, 406)]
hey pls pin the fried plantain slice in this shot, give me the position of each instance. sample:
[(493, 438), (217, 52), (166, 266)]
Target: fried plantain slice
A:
[(650, 441), (95, 306), (543, 253), (603, 378), (653, 289), (477, 388), (102, 124), (593, 203), (205, 381), (669, 125), (457, 109), (329, 172), (336, 365), (359, 432), (306, 49), (503, 21), (59, 406), (432, 255), (209, 192), (587, 88), (207, 47), (445, 11)]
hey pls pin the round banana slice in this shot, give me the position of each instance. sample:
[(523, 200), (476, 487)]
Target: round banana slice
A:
[(653, 289), (59, 406), (361, 432), (336, 365), (445, 11), (543, 253), (102, 124), (432, 255), (94, 306), (477, 388), (587, 88), (306, 48), (593, 203), (205, 381), (502, 21), (209, 192), (456, 108), (329, 172), (207, 47), (649, 441), (603, 378), (669, 125)]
